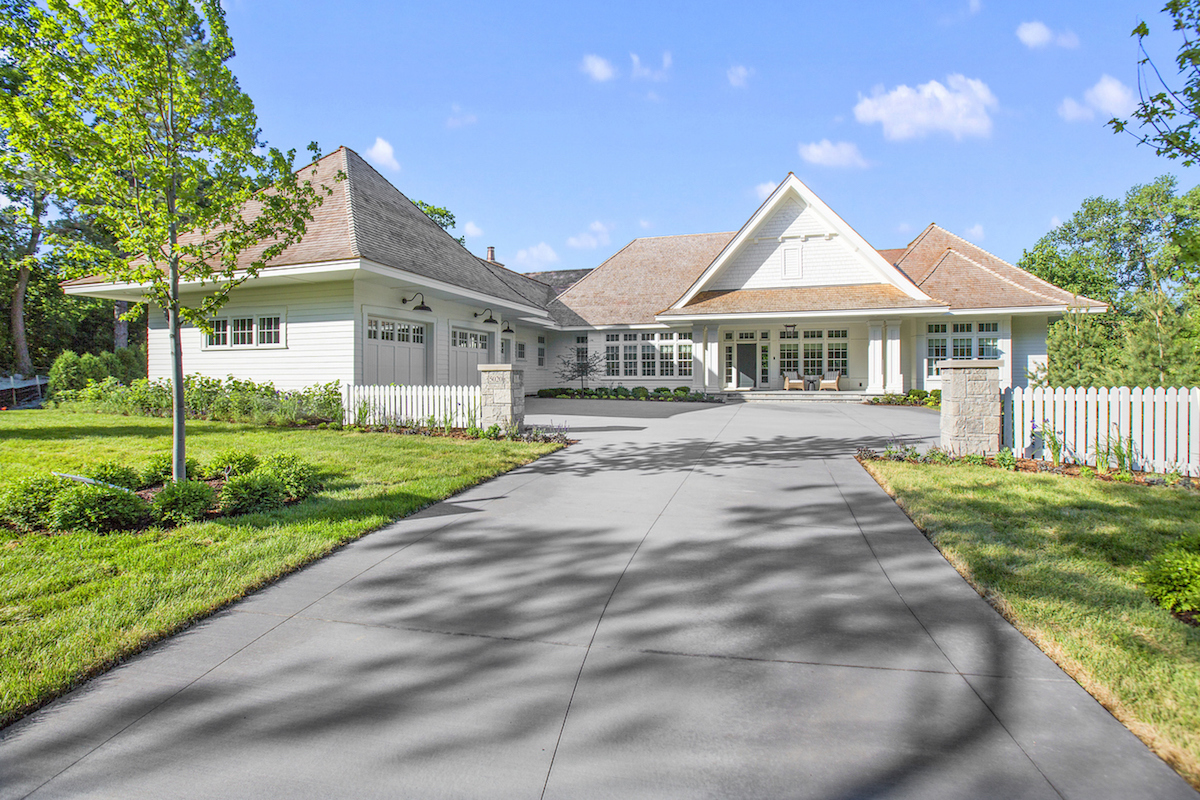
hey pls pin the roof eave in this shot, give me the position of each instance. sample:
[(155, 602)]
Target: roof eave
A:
[(769, 315)]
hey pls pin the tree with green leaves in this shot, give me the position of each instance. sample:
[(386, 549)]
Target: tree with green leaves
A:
[(132, 109), (444, 217)]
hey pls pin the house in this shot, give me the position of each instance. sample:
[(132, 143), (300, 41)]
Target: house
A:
[(376, 293)]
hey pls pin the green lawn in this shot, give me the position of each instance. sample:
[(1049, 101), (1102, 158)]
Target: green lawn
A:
[(71, 605), (1059, 557)]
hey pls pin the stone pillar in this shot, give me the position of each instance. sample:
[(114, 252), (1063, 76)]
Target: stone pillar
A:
[(875, 357), (894, 384), (971, 406), (503, 396)]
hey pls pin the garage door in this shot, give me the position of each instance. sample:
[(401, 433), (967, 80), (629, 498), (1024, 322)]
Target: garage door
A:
[(468, 349), (394, 352)]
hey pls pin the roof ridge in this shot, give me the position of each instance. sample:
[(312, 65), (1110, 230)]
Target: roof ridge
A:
[(350, 226), (511, 271), (680, 235), (912, 245), (988, 269)]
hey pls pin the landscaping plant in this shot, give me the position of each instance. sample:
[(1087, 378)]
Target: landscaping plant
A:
[(25, 503), (252, 494), (299, 478), (90, 507), (232, 462), (181, 502)]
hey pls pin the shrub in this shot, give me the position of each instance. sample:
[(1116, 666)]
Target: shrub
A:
[(493, 432), (88, 507), (116, 473), (1006, 460), (232, 462), (918, 395), (545, 393), (92, 367), (250, 494), (640, 392), (935, 398), (936, 455), (474, 432), (621, 391), (65, 373), (662, 390), (25, 503), (1172, 578), (681, 391), (181, 502), (972, 459), (299, 477), (602, 391), (158, 469)]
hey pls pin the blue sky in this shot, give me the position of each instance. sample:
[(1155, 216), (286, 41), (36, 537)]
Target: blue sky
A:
[(560, 131)]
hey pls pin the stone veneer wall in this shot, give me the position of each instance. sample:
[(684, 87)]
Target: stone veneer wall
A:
[(971, 406), (503, 395)]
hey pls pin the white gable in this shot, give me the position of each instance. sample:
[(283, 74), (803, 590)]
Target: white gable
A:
[(794, 247), (793, 240)]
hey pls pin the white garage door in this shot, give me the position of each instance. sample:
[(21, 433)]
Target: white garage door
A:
[(468, 349), (394, 352)]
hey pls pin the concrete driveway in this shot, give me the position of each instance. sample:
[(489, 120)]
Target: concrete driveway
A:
[(695, 601)]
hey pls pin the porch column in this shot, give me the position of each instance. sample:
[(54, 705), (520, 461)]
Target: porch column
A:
[(875, 357), (702, 355), (895, 375)]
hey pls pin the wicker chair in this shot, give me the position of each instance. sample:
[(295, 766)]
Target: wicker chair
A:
[(830, 380)]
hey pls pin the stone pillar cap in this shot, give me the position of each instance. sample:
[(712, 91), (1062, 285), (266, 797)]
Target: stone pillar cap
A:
[(494, 367), (971, 363)]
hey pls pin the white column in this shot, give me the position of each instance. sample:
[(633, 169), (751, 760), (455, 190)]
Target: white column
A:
[(895, 375), (874, 356), (701, 335)]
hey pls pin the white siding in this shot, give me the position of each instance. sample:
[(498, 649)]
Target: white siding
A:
[(759, 264), (1028, 346), (320, 334)]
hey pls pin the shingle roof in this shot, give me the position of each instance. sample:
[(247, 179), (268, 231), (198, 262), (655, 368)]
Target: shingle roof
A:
[(800, 299), (559, 279), (641, 280), (965, 275), (367, 217)]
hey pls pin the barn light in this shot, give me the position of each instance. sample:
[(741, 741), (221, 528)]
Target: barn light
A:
[(420, 306), (490, 319), (507, 328)]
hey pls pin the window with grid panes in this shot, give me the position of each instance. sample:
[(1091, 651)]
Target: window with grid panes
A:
[(649, 359), (612, 360), (963, 348), (764, 365), (666, 360), (686, 335), (838, 334), (541, 351), (743, 335), (520, 351), (630, 337), (787, 333), (269, 329), (837, 356), (243, 331), (631, 360), (387, 331), (813, 361), (728, 364), (612, 337), (988, 346), (789, 358), (962, 327), (647, 337), (685, 359), (220, 333), (666, 337), (935, 352), (581, 351), (814, 334)]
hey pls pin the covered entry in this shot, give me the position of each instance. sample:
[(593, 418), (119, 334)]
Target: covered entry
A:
[(394, 352)]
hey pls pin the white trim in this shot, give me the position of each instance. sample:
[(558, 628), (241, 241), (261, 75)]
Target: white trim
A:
[(449, 288), (1019, 310), (792, 186), (252, 313), (832, 313)]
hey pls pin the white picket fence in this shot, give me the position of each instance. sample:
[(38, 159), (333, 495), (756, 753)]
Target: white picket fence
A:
[(412, 406), (1161, 426)]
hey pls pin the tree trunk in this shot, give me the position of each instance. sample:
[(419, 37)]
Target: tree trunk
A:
[(17, 321), (120, 326)]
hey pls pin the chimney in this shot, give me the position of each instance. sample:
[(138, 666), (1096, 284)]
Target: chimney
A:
[(492, 254)]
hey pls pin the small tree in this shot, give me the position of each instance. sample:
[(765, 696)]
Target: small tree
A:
[(579, 368), (131, 107)]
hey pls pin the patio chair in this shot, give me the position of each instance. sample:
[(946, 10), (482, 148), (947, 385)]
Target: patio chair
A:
[(792, 380), (830, 380)]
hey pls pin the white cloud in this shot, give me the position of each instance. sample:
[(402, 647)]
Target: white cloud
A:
[(472, 230), (976, 6), (959, 108), (644, 224), (903, 227), (1111, 96), (459, 119), (1055, 222), (975, 232), (646, 73), (1037, 34), (738, 75), (599, 69), (1072, 110), (382, 154), (763, 190), (596, 235), (828, 154), (537, 256)]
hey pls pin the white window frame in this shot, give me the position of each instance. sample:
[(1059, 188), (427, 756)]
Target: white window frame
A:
[(255, 316)]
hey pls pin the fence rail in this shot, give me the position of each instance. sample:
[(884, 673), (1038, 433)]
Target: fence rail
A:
[(1158, 427), (429, 406)]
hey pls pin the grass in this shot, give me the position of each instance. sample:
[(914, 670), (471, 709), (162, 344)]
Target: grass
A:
[(1059, 557), (72, 605)]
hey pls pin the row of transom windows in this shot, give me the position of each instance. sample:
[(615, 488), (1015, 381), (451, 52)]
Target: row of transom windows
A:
[(247, 331), (387, 330), (960, 340)]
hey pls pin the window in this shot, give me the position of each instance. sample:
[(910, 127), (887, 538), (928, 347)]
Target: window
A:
[(963, 348), (631, 358), (220, 333), (470, 340), (962, 327), (838, 334), (935, 352), (612, 337), (989, 347), (647, 337), (581, 351), (789, 358), (814, 334), (520, 351), (746, 335), (685, 358), (764, 335), (687, 336), (612, 360), (791, 262), (936, 327), (666, 360), (504, 349), (580, 340), (631, 337), (243, 331), (989, 327), (418, 334), (729, 361), (666, 336), (728, 335), (789, 333), (837, 355), (764, 365), (649, 358), (813, 362), (541, 351)]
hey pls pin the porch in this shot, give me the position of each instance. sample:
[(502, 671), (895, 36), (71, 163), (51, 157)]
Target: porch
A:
[(796, 396)]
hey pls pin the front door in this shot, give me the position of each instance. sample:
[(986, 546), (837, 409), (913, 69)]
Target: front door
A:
[(745, 366)]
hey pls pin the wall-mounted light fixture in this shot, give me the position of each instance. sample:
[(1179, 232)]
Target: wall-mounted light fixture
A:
[(420, 306), (789, 328), (490, 319), (507, 328)]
